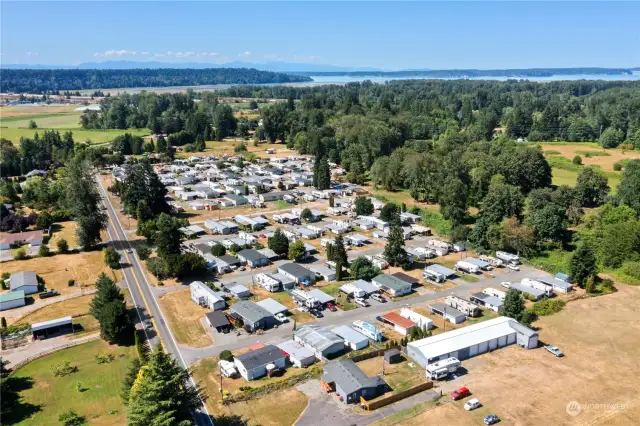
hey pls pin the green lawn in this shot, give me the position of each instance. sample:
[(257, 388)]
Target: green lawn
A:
[(99, 401), (96, 136), (469, 278), (570, 177)]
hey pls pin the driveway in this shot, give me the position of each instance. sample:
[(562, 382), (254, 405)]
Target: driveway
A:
[(325, 408)]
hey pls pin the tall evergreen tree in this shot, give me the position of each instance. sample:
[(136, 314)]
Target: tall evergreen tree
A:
[(109, 308), (82, 197), (321, 173), (394, 251), (338, 252), (279, 243), (513, 306), (168, 236), (143, 185), (162, 395), (583, 264)]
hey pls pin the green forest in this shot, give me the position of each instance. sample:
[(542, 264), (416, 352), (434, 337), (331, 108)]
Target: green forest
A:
[(54, 80)]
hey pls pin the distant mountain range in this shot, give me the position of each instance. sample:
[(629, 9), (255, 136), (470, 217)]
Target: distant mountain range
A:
[(267, 66)]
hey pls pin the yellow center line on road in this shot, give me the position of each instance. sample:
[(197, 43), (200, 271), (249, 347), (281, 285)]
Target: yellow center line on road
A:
[(135, 278)]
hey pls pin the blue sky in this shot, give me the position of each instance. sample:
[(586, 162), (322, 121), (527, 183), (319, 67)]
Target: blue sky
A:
[(390, 35)]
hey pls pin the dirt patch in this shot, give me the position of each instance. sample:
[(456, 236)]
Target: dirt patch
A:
[(606, 162), (399, 377), (83, 267), (184, 318), (601, 339), (19, 111)]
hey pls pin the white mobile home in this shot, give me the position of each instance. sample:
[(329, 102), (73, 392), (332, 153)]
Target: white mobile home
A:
[(204, 296)]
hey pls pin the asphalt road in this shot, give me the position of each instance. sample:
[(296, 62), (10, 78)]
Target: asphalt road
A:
[(146, 304)]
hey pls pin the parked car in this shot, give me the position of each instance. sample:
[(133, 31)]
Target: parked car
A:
[(331, 307), (281, 317), (513, 267), (491, 419), (378, 297), (360, 301), (129, 250), (316, 313), (554, 350), (472, 404), (460, 393), (505, 284)]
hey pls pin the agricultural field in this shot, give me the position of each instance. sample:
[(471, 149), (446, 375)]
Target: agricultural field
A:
[(565, 172), (77, 307), (95, 136), (532, 387), (45, 396)]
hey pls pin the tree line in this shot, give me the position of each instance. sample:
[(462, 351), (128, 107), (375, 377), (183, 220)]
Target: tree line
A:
[(54, 80)]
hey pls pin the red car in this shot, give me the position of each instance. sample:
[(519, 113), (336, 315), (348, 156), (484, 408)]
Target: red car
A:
[(460, 393), (331, 307)]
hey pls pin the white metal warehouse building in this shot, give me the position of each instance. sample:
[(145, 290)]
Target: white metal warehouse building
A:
[(473, 340)]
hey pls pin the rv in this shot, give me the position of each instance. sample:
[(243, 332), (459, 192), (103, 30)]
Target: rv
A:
[(467, 267), (464, 306), (350, 289), (492, 260), (378, 261), (268, 282), (432, 276), (495, 293), (327, 241), (368, 330), (548, 290), (302, 298), (441, 369), (512, 259), (438, 243)]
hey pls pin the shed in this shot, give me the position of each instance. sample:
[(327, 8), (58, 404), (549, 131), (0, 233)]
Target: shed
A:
[(55, 327), (351, 337), (488, 301), (253, 365), (238, 290), (13, 299), (298, 355), (26, 281), (393, 356), (269, 254)]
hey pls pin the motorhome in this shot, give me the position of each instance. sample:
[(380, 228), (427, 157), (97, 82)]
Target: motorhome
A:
[(438, 243), (302, 298), (495, 293), (441, 369), (492, 260), (468, 308), (369, 330), (548, 290), (350, 289), (227, 369)]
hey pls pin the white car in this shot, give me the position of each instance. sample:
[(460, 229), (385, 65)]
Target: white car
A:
[(505, 284), (513, 267), (360, 301), (378, 297), (472, 404), (281, 317)]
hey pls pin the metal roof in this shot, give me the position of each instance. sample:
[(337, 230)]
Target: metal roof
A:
[(465, 337), (23, 278), (217, 318), (321, 296), (365, 285), (12, 295), (389, 281), (439, 269), (478, 262), (349, 334), (250, 311), (398, 320), (202, 286), (348, 376), (296, 350), (317, 337), (251, 255), (296, 270), (51, 323), (407, 278), (448, 309), (272, 306), (259, 357), (526, 289)]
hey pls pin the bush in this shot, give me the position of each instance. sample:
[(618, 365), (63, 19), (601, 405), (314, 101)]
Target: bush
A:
[(547, 307), (528, 317), (577, 160), (226, 355), (632, 269), (21, 254), (63, 246), (63, 369), (71, 418), (143, 251), (104, 358), (617, 166), (43, 251), (61, 215), (71, 283), (241, 147), (605, 286)]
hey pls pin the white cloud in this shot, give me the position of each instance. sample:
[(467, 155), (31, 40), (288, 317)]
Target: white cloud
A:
[(114, 52), (306, 58), (245, 53), (145, 53), (32, 54), (213, 54)]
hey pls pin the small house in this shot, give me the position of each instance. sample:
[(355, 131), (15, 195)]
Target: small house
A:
[(253, 317), (450, 314), (352, 338), (238, 290), (12, 299), (350, 382), (219, 321), (298, 355), (253, 364), (321, 341), (298, 273), (253, 258), (204, 296), (400, 324), (393, 286), (26, 281)]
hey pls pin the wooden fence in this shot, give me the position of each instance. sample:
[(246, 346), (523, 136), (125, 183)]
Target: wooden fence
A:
[(375, 404), (368, 355), (52, 350)]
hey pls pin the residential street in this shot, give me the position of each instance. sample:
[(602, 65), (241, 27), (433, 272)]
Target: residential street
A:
[(147, 306)]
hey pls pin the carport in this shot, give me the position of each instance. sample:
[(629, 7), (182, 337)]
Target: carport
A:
[(46, 329)]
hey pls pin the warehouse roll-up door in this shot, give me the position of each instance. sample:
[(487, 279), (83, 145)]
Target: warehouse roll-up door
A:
[(483, 347), (502, 341), (473, 350), (493, 343), (511, 338)]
